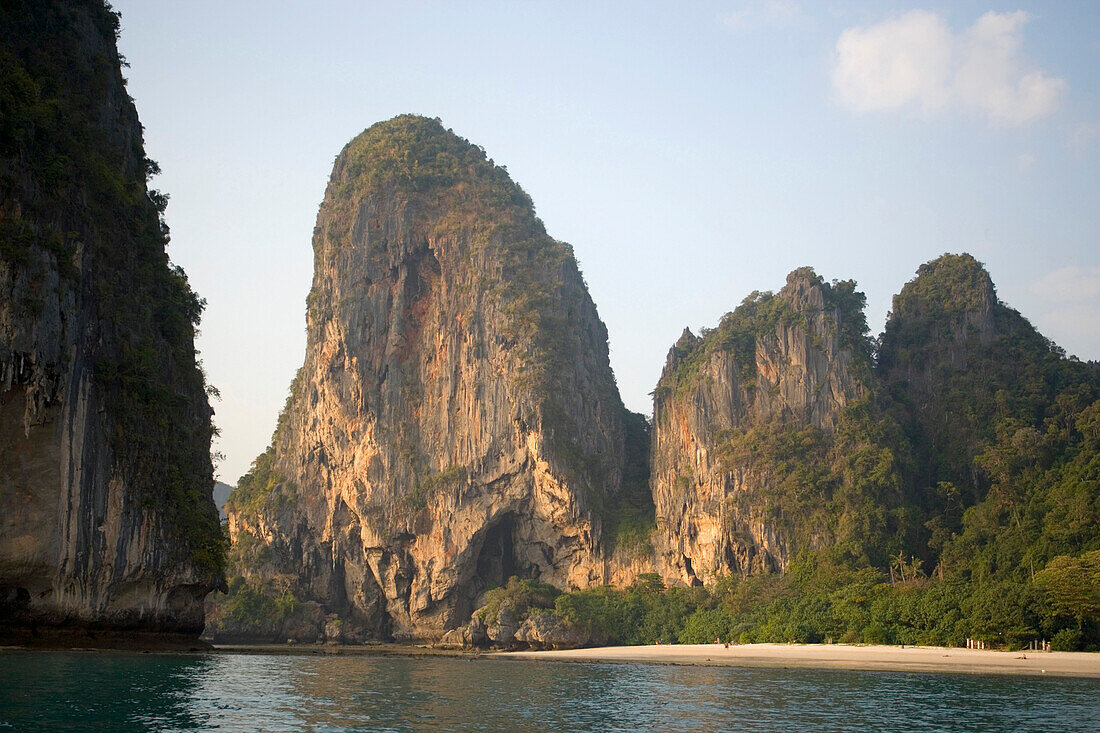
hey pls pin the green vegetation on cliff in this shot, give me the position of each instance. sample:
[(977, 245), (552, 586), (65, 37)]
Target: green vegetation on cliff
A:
[(261, 488), (417, 155), (256, 604), (846, 486), (1002, 427), (628, 519), (960, 362), (73, 185), (756, 320)]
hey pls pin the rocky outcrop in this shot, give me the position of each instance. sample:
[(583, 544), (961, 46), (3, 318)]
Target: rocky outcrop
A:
[(521, 615), (951, 355), (773, 378), (539, 630), (455, 424), (547, 630), (106, 520), (937, 321), (456, 421)]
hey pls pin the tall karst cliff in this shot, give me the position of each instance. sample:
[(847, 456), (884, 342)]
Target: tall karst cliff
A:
[(456, 421), (106, 519), (766, 439)]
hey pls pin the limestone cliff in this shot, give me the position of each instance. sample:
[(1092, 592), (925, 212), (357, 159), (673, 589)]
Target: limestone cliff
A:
[(456, 421), (106, 520), (745, 422)]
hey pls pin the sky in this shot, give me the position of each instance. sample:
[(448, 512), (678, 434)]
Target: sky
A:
[(691, 153)]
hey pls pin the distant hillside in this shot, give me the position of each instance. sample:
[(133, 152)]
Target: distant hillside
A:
[(221, 493)]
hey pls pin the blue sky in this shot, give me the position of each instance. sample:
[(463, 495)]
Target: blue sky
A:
[(690, 152)]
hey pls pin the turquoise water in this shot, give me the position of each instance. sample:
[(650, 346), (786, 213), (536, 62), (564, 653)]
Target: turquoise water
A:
[(108, 691)]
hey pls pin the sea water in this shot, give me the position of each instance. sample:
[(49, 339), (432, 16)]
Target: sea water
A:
[(102, 691)]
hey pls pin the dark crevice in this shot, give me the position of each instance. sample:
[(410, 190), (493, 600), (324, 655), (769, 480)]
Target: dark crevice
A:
[(497, 562)]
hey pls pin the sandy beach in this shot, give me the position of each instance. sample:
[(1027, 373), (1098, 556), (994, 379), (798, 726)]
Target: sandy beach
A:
[(837, 656)]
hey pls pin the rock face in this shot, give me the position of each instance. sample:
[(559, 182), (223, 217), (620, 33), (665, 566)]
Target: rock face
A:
[(780, 368), (106, 520), (456, 421)]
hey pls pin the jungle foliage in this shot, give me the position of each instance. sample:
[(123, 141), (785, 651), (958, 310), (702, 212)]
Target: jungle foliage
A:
[(821, 601)]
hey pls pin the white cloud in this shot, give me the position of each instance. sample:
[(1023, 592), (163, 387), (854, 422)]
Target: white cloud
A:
[(993, 74), (1025, 161), (894, 63), (763, 13), (1068, 285), (917, 60)]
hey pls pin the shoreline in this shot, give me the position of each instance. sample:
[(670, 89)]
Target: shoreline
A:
[(875, 658), (869, 658), (381, 649), (76, 639)]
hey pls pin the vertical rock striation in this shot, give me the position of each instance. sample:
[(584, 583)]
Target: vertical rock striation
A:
[(106, 519), (744, 419), (456, 421)]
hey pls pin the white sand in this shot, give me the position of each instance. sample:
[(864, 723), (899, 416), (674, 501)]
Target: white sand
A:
[(837, 656)]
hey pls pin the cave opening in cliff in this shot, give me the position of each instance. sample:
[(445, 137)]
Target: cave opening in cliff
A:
[(497, 560)]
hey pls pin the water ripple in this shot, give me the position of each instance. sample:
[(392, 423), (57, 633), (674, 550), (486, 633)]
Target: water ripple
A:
[(175, 692)]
